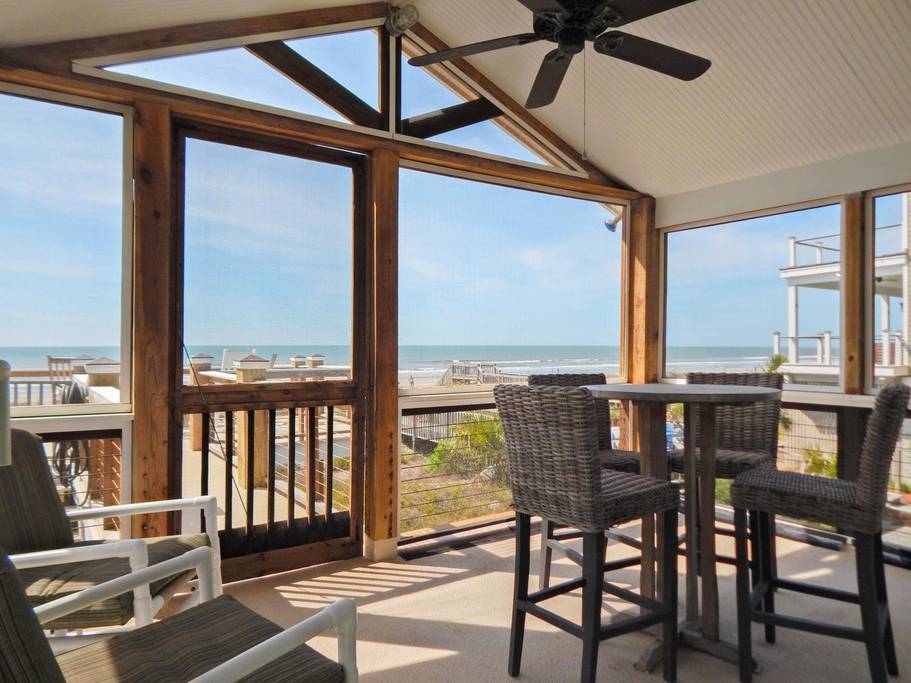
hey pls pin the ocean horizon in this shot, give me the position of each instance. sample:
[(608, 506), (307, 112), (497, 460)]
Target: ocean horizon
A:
[(434, 359)]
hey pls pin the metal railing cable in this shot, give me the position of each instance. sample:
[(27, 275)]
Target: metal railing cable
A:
[(229, 466)]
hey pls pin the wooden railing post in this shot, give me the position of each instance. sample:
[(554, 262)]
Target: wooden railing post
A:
[(382, 470), (154, 315)]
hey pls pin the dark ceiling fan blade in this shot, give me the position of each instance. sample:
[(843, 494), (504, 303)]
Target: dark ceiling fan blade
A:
[(473, 49), (548, 80), (655, 56), (541, 5), (628, 11)]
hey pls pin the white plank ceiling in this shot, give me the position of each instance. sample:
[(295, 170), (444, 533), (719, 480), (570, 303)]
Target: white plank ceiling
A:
[(793, 82)]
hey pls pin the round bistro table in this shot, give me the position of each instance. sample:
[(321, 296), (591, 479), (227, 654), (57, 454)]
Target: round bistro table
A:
[(700, 628)]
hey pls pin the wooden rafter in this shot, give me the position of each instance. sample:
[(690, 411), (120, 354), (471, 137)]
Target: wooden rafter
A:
[(450, 118), (306, 74), (510, 124), (246, 119), (189, 34)]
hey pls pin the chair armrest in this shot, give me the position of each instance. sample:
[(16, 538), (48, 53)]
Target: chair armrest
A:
[(208, 505), (135, 550), (199, 559), (149, 507), (341, 615)]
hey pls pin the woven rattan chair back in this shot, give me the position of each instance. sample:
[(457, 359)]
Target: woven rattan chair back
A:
[(581, 379), (552, 449), (32, 516), (25, 654), (751, 427), (883, 429)]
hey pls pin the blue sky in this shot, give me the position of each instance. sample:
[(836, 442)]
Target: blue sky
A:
[(268, 238)]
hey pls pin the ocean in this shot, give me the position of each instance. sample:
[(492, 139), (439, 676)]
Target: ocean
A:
[(422, 365)]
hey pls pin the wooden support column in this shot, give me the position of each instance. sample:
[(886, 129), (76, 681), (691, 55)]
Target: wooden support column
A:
[(382, 472), (644, 422), (154, 313), (642, 306), (854, 326)]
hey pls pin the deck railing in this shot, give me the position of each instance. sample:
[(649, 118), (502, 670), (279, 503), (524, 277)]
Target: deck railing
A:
[(889, 349), (282, 475), (36, 391), (821, 341), (479, 373), (827, 248), (452, 468)]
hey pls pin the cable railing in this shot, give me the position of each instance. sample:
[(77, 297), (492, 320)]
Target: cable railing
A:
[(826, 249), (452, 468)]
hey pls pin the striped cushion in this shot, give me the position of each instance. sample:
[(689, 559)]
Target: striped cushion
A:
[(24, 651), (189, 644), (43, 584), (31, 514)]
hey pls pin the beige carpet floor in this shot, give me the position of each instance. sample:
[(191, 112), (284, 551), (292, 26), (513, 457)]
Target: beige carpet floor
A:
[(445, 617)]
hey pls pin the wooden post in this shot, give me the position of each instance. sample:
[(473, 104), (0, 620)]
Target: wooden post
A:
[(198, 363), (642, 307), (382, 471), (259, 458), (643, 300), (643, 311), (154, 313), (853, 285)]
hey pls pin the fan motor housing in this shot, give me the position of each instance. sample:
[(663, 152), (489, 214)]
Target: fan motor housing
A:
[(573, 26)]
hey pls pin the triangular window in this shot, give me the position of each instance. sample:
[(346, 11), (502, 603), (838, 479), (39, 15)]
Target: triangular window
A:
[(239, 73), (421, 92)]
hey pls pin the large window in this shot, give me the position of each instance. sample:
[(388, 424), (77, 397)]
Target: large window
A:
[(268, 266), (62, 227), (498, 283), (891, 217), (758, 293), (349, 58)]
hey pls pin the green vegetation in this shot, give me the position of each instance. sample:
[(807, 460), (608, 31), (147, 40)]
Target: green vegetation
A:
[(816, 462), (776, 360), (463, 477), (474, 448), (723, 491)]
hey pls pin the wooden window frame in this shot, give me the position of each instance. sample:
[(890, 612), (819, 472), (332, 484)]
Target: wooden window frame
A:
[(442, 396), (126, 258), (869, 200), (214, 397), (665, 232)]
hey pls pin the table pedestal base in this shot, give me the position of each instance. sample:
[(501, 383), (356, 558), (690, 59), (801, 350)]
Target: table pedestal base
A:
[(690, 635)]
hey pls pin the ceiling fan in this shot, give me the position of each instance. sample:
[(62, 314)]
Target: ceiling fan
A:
[(569, 23)]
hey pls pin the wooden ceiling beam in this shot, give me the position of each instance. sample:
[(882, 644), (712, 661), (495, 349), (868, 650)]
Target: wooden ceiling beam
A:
[(174, 36), (450, 118), (307, 75), (62, 80)]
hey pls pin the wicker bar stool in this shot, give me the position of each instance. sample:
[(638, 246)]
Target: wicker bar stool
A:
[(746, 436), (555, 472), (611, 458), (855, 507)]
